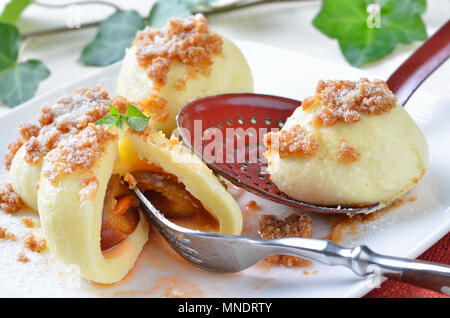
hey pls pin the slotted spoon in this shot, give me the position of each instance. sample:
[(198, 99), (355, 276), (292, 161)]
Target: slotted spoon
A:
[(258, 113)]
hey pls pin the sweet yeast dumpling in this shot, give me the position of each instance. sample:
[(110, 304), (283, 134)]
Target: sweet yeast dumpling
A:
[(166, 69), (62, 169), (350, 144), (71, 208)]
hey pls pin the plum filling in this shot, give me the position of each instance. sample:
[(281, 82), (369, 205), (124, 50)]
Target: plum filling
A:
[(167, 194), (120, 214)]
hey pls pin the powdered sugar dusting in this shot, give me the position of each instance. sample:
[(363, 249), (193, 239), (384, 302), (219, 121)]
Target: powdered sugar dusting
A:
[(185, 40), (293, 141), (343, 101)]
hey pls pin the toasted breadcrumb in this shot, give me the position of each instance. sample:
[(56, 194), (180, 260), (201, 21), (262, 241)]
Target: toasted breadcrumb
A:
[(10, 202), (155, 105), (295, 141), (347, 154), (13, 147), (344, 101), (5, 235), (21, 257), (33, 244), (295, 225), (66, 133), (28, 222), (130, 180), (187, 41)]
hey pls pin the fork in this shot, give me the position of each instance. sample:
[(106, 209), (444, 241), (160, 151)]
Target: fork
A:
[(230, 253)]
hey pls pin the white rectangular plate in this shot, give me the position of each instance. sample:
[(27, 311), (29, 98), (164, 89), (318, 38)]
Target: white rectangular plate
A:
[(406, 231)]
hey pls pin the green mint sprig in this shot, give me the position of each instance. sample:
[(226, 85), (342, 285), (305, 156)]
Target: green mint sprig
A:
[(133, 117)]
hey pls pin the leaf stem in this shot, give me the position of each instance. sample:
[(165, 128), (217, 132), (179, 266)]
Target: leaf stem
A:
[(78, 3), (208, 11)]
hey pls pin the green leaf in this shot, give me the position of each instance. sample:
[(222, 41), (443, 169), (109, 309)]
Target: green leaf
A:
[(114, 35), (163, 10), (13, 9), (114, 111), (108, 120), (133, 111), (346, 21), (137, 123), (20, 82), (9, 45), (135, 119)]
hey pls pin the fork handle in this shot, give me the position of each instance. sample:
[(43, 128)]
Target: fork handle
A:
[(364, 262)]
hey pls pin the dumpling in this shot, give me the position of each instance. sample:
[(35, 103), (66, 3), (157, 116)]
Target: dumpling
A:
[(177, 181), (77, 193), (168, 68), (71, 170), (350, 144)]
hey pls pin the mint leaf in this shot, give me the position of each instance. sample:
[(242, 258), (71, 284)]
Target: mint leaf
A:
[(114, 111), (137, 123), (135, 119), (20, 82), (346, 21), (110, 121), (114, 35), (163, 10), (13, 10), (133, 111), (9, 45)]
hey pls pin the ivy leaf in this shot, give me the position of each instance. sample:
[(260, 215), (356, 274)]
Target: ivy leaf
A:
[(9, 45), (346, 21), (18, 81), (114, 35), (166, 9), (13, 10)]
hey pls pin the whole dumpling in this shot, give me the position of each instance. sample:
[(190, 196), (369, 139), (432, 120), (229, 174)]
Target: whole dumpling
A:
[(350, 144), (168, 68)]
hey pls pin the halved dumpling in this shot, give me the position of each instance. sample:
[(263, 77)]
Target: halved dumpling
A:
[(24, 178), (78, 208), (178, 183)]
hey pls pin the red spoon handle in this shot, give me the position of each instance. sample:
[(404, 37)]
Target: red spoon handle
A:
[(410, 75)]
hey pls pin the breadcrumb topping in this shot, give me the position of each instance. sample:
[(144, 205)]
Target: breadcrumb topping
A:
[(184, 40), (155, 105), (296, 141), (28, 222), (10, 202), (89, 187), (33, 244), (66, 134), (129, 178), (13, 147), (295, 225), (21, 257), (347, 154), (344, 101), (5, 235), (78, 151)]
